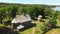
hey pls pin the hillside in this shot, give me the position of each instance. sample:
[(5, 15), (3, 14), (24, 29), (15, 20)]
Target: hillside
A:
[(1, 3)]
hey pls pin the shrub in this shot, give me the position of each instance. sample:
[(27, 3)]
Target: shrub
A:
[(43, 27), (52, 22), (7, 21)]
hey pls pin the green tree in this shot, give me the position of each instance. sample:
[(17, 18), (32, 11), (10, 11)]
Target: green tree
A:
[(48, 11), (55, 15), (14, 11), (2, 13), (52, 22)]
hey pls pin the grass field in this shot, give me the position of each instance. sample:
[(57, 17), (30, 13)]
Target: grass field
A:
[(55, 31), (37, 28), (38, 31), (1, 25)]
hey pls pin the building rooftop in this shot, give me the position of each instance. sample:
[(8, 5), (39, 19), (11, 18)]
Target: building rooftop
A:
[(21, 18)]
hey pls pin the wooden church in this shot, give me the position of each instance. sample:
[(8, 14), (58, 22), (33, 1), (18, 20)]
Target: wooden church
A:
[(21, 21)]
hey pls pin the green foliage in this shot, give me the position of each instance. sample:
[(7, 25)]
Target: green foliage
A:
[(6, 19), (14, 11), (55, 15), (10, 10), (52, 22), (48, 11), (43, 27), (20, 9)]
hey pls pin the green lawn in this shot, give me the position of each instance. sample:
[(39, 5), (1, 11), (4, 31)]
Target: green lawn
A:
[(1, 25), (55, 31), (36, 29), (28, 31)]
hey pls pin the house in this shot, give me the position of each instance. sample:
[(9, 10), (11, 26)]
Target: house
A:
[(21, 21)]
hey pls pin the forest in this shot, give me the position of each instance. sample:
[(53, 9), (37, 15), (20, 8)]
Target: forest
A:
[(9, 11)]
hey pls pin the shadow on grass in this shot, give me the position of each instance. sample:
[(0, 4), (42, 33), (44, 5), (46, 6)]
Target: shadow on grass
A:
[(48, 29), (5, 30), (56, 27), (27, 27)]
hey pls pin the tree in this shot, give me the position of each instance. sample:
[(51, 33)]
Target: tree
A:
[(31, 10), (14, 11), (20, 10), (2, 13), (55, 15), (52, 22), (48, 11)]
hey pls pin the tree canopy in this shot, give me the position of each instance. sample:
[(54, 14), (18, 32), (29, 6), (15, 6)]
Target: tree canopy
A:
[(10, 10)]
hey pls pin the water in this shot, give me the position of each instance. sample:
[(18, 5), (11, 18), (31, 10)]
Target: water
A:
[(57, 8)]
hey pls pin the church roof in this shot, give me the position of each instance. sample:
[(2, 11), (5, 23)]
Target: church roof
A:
[(21, 18)]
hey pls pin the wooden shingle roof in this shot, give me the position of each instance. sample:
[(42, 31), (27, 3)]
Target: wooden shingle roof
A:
[(21, 18)]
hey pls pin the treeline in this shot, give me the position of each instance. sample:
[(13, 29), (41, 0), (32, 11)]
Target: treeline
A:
[(9, 11)]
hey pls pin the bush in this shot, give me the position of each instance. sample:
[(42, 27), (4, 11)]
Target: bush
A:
[(7, 21), (43, 27), (52, 22)]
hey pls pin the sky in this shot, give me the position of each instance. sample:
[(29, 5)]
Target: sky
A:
[(47, 2)]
